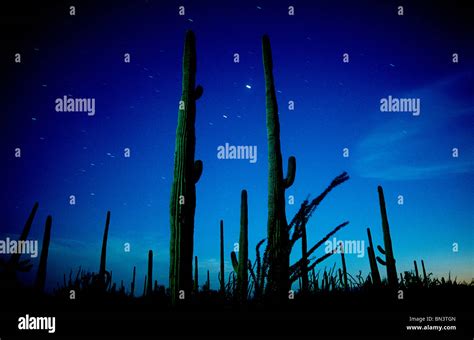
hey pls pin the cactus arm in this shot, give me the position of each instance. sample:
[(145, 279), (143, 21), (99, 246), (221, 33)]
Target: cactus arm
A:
[(198, 92), (291, 173), (380, 249), (235, 262), (382, 262), (198, 167)]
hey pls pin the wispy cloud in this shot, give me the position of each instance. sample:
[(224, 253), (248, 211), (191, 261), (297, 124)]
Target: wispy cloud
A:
[(405, 147)]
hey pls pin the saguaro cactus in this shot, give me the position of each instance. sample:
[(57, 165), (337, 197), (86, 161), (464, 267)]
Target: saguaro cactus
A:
[(132, 285), (425, 278), (344, 268), (208, 282), (392, 276), (103, 254), (14, 264), (149, 284), (277, 226), (241, 266), (374, 269), (186, 174), (416, 271), (104, 277), (41, 275), (196, 275)]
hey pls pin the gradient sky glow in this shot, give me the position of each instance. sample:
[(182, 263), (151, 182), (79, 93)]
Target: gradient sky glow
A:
[(336, 106)]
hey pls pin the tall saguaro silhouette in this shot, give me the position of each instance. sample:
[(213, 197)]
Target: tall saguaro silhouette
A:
[(392, 277), (186, 174), (277, 226)]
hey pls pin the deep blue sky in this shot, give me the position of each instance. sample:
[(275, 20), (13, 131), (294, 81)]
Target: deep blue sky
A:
[(336, 106)]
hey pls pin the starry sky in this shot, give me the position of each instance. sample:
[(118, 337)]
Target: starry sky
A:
[(337, 106)]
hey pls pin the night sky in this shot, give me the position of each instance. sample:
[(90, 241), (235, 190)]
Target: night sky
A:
[(337, 106)]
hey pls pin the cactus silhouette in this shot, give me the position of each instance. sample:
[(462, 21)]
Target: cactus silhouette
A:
[(104, 276), (241, 265), (344, 269), (425, 278), (186, 175), (374, 269), (277, 226), (41, 275), (196, 275), (132, 285), (103, 255), (149, 284), (221, 272), (207, 285), (144, 286), (13, 265), (416, 271), (392, 276)]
